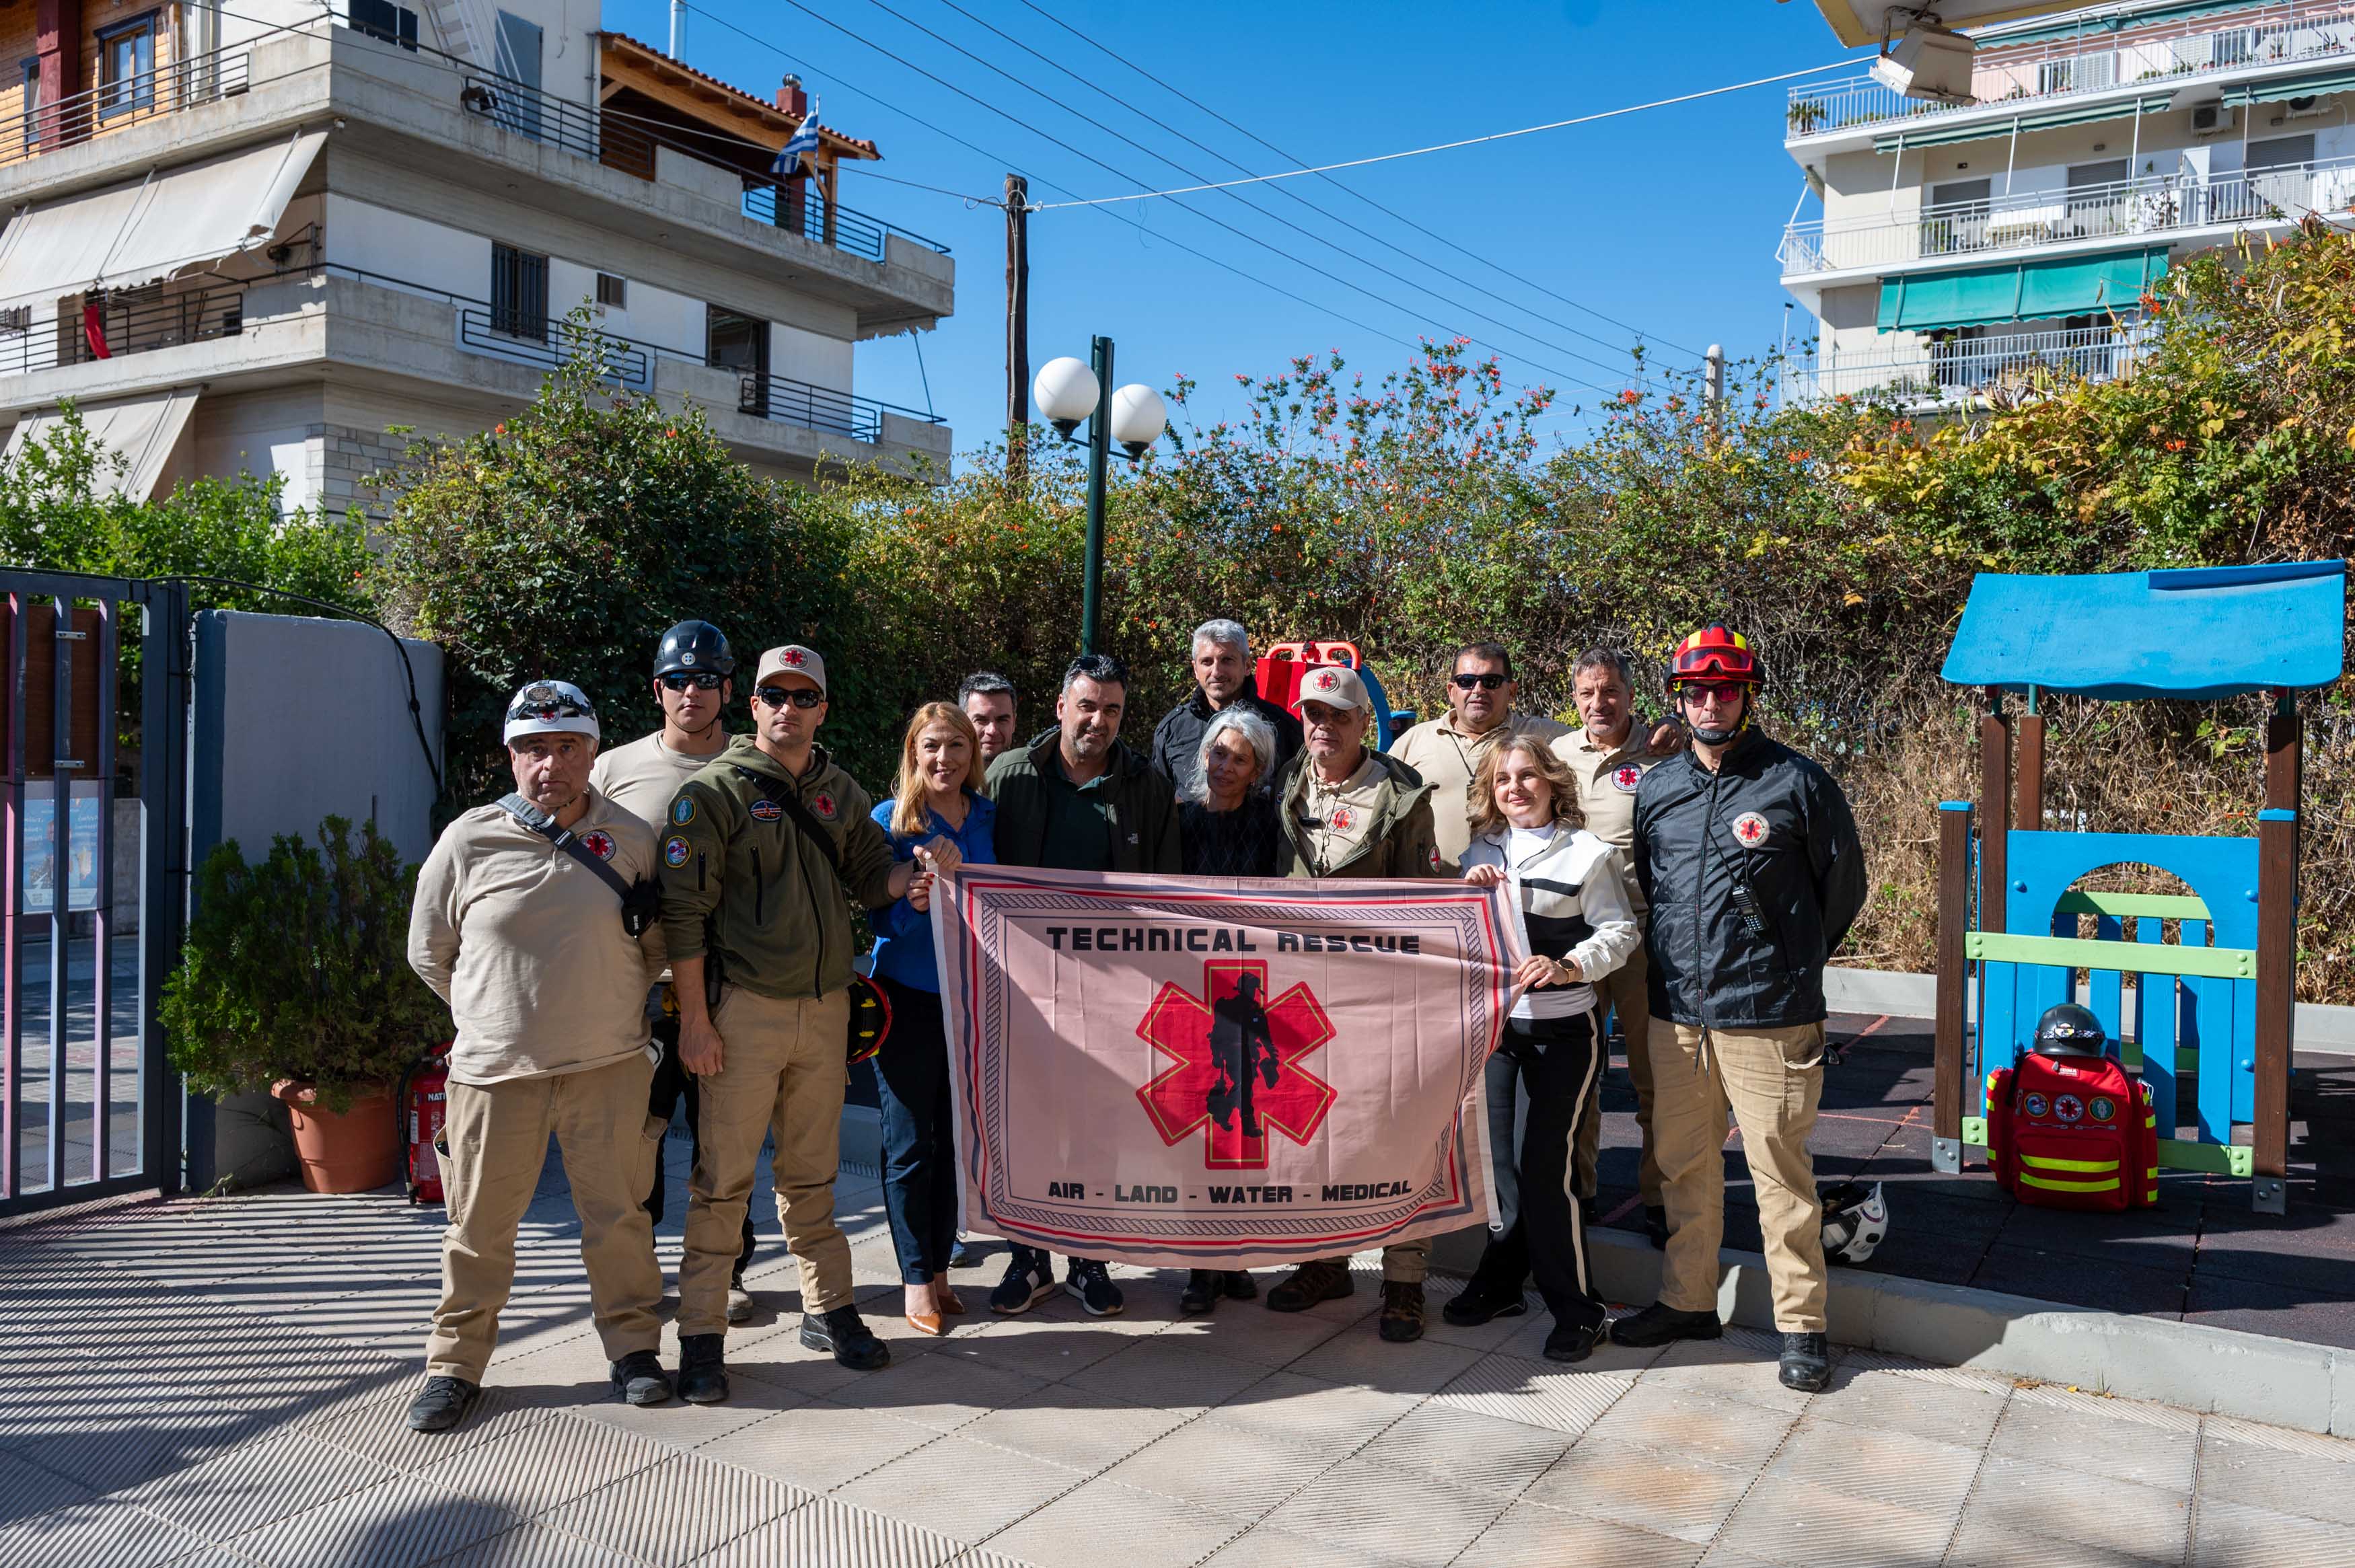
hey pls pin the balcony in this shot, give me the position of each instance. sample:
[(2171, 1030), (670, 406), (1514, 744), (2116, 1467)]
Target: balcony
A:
[(2061, 69), (166, 90), (2031, 220), (1961, 368)]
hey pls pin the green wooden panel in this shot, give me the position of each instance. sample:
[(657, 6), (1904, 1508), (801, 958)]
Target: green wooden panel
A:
[(2073, 952), (1974, 1131), (2166, 905), (2217, 1159)]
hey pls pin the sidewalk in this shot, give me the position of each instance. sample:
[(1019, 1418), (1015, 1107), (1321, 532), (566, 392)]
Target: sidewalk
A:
[(221, 1382)]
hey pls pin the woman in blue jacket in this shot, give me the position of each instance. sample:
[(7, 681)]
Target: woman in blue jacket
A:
[(936, 795)]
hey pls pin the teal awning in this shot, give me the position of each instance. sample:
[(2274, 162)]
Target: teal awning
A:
[(2020, 290), (2282, 89), (2046, 120)]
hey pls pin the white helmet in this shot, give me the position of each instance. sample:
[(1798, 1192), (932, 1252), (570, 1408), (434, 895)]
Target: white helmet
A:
[(1856, 1220), (551, 707)]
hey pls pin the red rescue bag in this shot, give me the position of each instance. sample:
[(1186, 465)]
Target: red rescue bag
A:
[(422, 1104), (2072, 1132), (1279, 669)]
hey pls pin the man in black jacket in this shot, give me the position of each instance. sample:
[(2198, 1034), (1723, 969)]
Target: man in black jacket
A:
[(1222, 679), (1749, 858)]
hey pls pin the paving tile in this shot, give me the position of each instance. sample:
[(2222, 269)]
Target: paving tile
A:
[(1263, 1546), (819, 1446), (1105, 1521), (401, 1519), (1877, 1464), (1534, 1394), (1389, 1512), (1239, 1471), (251, 1486), (1664, 1420), (1248, 1331), (1527, 1533), (1045, 1348), (1667, 1494), (1527, 1343), (824, 1533), (2279, 1478), (379, 1429), (1419, 1366), (532, 1470), (2288, 1440), (2128, 1518), (25, 1488), (1982, 1542), (940, 1392), (1309, 1412), (675, 1509), (1742, 1366), (533, 1546), (104, 1530), (1787, 1521), (1469, 1449), (680, 1426), (1891, 1402), (1073, 1427), (2097, 1443), (2232, 1535), (959, 1489), (1169, 1375)]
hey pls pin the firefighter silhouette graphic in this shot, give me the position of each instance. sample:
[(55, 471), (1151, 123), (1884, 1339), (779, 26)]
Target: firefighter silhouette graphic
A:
[(1243, 1050)]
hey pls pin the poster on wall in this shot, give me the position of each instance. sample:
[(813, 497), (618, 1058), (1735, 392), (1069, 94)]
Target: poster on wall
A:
[(42, 852)]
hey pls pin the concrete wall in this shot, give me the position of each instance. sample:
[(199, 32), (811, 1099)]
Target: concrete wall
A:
[(810, 356), (416, 251)]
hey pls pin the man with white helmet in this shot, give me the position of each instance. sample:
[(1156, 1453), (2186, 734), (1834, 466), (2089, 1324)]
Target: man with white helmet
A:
[(535, 920)]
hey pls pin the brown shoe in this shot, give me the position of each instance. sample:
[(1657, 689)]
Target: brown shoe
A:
[(1401, 1318), (1321, 1279)]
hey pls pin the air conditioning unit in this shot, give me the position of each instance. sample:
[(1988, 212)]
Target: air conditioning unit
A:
[(2213, 119), (2301, 108), (1929, 62)]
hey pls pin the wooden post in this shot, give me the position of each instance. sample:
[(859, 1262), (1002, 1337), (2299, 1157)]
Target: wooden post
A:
[(2030, 815), (1018, 329), (2277, 836), (1949, 1093), (1995, 812)]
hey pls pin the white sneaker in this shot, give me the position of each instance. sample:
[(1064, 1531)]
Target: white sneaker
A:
[(741, 1305)]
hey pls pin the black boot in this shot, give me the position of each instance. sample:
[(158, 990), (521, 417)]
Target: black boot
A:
[(702, 1368), (1203, 1288), (441, 1404), (1660, 1325), (1321, 1279), (845, 1333), (1482, 1299), (1240, 1285), (1806, 1362), (639, 1378), (1572, 1342)]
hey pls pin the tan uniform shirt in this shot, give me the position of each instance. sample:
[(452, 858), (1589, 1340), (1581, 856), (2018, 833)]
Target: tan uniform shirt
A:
[(525, 944), (1344, 814), (1447, 759), (1607, 779), (643, 778)]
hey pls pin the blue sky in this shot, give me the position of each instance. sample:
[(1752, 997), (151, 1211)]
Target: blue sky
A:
[(1665, 221)]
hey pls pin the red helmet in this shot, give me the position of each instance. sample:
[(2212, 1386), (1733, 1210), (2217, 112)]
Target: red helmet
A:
[(1713, 653)]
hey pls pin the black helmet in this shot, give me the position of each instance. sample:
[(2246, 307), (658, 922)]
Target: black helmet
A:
[(2069, 1029), (694, 645)]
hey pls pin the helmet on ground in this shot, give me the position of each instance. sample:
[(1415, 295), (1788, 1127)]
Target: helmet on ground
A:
[(1713, 653), (694, 646), (2069, 1029), (551, 707), (1856, 1219)]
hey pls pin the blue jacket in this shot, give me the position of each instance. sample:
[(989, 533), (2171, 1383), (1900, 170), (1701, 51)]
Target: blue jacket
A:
[(903, 935)]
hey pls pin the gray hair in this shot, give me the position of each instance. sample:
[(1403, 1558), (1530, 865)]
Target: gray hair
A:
[(1225, 633), (1609, 659), (1254, 730)]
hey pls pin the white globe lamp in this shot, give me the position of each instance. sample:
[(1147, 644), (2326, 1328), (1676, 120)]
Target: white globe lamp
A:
[(1066, 391), (1138, 418)]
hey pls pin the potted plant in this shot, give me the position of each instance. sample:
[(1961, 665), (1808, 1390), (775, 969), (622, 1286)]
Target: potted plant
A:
[(295, 979), (1805, 117)]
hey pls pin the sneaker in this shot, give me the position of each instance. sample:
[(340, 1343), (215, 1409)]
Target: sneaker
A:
[(1029, 1279), (1091, 1281), (1656, 1226), (1322, 1279), (1203, 1288), (1401, 1319), (741, 1305), (845, 1333), (1240, 1286), (639, 1378), (1572, 1342), (702, 1368), (441, 1404), (1482, 1299), (1806, 1362), (962, 1255), (1660, 1325)]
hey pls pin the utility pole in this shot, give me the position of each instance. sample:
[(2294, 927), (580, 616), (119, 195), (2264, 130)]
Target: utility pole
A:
[(1783, 365), (1018, 329), (1713, 390), (1099, 449)]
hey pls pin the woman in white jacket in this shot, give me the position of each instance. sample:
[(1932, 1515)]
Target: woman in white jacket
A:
[(1569, 893)]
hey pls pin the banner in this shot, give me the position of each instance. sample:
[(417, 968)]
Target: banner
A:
[(1214, 1073)]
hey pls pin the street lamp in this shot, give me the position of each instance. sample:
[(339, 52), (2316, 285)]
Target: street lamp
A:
[(1067, 392)]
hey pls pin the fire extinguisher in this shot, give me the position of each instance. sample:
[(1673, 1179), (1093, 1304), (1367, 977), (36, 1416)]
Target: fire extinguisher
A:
[(422, 1104)]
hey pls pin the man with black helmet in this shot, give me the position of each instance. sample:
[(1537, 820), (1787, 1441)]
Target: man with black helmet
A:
[(1749, 859), (692, 681)]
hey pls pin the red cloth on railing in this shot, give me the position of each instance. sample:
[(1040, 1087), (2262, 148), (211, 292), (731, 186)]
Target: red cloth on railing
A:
[(93, 329)]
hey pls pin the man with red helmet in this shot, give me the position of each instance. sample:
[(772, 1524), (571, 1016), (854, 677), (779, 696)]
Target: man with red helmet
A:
[(1749, 859)]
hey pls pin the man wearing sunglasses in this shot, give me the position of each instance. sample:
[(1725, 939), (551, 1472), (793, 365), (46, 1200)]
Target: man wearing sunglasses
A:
[(1749, 859), (762, 851), (692, 685), (1446, 751)]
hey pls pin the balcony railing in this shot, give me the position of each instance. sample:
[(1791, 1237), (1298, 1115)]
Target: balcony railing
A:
[(2257, 35), (1968, 366), (2032, 220), (136, 321), (166, 90), (819, 407)]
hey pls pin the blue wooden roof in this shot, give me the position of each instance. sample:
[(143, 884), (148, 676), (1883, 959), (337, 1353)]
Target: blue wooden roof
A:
[(2211, 631)]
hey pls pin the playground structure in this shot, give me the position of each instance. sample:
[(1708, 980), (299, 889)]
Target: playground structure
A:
[(2208, 1022)]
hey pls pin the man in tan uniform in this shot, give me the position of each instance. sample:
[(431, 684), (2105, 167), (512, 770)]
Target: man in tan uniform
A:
[(1350, 812), (531, 921), (1446, 751)]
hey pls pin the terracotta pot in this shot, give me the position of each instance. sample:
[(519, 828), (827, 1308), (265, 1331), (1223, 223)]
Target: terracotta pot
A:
[(357, 1151)]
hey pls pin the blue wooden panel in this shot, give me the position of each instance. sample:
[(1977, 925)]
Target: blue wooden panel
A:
[(2155, 1007), (2105, 991)]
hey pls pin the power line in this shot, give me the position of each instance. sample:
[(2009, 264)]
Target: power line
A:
[(1390, 213)]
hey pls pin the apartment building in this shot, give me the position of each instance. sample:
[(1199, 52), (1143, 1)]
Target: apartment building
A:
[(1959, 249), (252, 234)]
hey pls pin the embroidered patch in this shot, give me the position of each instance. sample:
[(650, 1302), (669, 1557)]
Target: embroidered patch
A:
[(682, 810), (2036, 1105), (823, 804), (687, 659), (1625, 779), (598, 844), (675, 852), (1344, 819), (765, 810), (1433, 854), (794, 657), (1328, 682), (2104, 1107), (1750, 828), (2067, 1107)]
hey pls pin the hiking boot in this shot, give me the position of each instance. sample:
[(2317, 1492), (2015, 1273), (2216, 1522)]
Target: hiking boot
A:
[(1321, 1279), (1806, 1362), (1572, 1342), (702, 1368), (1660, 1325), (741, 1305), (441, 1404), (1240, 1285), (1482, 1299), (1091, 1281), (1656, 1226), (1203, 1288), (1029, 1279), (845, 1333), (1401, 1319), (639, 1378)]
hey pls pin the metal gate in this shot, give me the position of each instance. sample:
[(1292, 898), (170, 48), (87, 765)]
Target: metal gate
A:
[(95, 716)]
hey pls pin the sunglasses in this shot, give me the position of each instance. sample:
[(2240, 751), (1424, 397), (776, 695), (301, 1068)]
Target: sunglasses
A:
[(1486, 682), (800, 697), (1719, 690), (701, 680)]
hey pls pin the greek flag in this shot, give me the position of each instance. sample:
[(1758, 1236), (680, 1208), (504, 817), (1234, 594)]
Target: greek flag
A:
[(805, 142)]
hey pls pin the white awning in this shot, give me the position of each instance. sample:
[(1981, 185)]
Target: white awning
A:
[(130, 234), (145, 429)]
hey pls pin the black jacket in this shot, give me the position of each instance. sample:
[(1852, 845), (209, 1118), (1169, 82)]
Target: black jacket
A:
[(1769, 821), (1178, 739), (1140, 810)]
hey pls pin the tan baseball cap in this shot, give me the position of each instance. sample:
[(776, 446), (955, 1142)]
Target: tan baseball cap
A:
[(1335, 685), (792, 659)]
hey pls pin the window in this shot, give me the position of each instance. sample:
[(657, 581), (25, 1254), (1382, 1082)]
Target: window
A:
[(126, 66), (382, 19), (32, 101), (2280, 153), (614, 292), (1958, 219), (2098, 202), (733, 340), (518, 59), (518, 293)]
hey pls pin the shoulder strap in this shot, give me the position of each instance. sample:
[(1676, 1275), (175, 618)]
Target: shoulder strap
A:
[(782, 795), (564, 839)]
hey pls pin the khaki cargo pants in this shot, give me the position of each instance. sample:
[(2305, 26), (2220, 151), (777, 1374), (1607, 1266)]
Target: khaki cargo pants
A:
[(1771, 1080), (497, 1136), (783, 1068), (1623, 992)]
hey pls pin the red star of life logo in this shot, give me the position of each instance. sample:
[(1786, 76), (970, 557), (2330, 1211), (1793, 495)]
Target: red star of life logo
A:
[(1750, 827), (1235, 1089), (794, 657)]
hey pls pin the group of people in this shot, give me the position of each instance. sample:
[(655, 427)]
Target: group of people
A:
[(1687, 878)]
